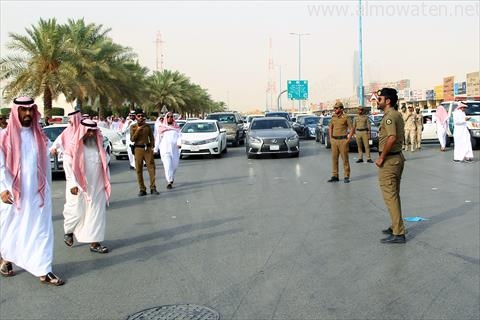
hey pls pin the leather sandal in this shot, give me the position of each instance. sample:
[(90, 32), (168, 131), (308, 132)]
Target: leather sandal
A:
[(99, 248), (6, 269), (68, 239), (52, 279)]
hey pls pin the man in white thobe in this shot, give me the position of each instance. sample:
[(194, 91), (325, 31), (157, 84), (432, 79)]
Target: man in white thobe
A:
[(441, 124), (170, 147), (88, 182), (26, 230), (131, 120), (462, 144)]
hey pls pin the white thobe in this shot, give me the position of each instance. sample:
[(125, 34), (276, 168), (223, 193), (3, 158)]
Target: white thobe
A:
[(461, 135), (126, 131), (86, 215), (442, 133), (170, 153), (26, 235)]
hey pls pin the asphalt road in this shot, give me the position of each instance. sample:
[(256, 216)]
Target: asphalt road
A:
[(270, 239)]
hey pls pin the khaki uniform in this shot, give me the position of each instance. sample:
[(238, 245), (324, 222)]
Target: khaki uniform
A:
[(410, 130), (419, 129), (404, 116), (361, 123), (338, 128), (143, 141), (390, 173)]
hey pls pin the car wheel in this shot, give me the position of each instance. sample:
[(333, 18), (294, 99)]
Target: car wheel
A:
[(316, 138), (249, 156), (327, 142), (225, 150), (448, 142)]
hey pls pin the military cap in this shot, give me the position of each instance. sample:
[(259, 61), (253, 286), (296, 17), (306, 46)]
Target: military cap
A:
[(338, 104)]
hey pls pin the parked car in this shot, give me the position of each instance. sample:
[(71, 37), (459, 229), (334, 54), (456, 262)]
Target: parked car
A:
[(282, 114), (321, 130), (203, 137), (473, 124), (376, 118), (117, 143), (53, 131), (271, 135), (305, 127), (233, 124), (322, 135), (248, 120)]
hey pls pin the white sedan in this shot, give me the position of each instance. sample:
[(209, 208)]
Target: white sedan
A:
[(203, 137)]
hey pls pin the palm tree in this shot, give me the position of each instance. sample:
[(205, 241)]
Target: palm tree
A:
[(168, 88), (39, 64)]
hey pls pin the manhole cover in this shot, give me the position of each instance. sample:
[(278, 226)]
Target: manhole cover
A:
[(176, 312)]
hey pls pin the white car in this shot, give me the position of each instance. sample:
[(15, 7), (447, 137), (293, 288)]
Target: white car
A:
[(117, 143), (203, 137), (54, 130)]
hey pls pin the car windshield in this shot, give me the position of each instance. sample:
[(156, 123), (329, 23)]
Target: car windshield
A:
[(52, 133), (224, 118), (473, 108), (270, 124), (199, 127), (278, 114), (311, 120)]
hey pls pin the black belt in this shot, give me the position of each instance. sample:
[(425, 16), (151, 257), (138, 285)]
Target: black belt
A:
[(141, 145), (339, 137), (390, 153), (362, 129)]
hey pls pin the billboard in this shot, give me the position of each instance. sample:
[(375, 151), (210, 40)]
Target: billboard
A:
[(473, 84), (448, 88), (438, 92)]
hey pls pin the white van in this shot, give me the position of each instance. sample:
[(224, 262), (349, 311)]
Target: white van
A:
[(473, 124), (429, 131)]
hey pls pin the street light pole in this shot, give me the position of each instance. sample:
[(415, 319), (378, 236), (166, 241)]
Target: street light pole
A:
[(299, 58), (279, 103)]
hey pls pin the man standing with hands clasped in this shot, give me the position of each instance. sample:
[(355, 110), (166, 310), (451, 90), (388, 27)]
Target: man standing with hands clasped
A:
[(340, 139), (391, 162), (142, 137), (362, 126), (88, 186)]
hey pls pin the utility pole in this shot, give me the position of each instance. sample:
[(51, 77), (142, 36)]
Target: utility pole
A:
[(299, 60), (271, 86), (360, 56)]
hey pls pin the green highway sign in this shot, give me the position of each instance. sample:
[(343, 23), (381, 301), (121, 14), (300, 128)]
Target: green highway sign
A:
[(297, 89)]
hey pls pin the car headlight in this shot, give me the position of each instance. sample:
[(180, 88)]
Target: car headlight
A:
[(210, 140), (312, 130), (254, 140), (292, 138)]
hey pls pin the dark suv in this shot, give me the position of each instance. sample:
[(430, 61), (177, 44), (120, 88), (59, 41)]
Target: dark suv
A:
[(233, 124)]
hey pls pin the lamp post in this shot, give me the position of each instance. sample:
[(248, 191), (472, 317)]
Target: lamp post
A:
[(360, 56), (299, 58), (279, 103)]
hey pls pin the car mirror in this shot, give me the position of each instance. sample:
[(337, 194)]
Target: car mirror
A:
[(223, 130)]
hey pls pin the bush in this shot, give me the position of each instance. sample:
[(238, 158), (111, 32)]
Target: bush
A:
[(5, 111), (58, 112)]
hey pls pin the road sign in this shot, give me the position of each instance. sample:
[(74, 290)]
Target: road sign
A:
[(373, 97), (297, 89), (164, 109)]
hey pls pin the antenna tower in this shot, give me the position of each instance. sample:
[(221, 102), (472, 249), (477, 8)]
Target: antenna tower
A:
[(159, 52), (271, 86)]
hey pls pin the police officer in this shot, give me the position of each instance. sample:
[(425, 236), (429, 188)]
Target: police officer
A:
[(418, 128), (410, 129), (404, 114), (391, 162), (142, 137), (340, 139), (361, 124)]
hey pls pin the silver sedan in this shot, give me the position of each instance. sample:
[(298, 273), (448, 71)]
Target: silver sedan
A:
[(271, 135)]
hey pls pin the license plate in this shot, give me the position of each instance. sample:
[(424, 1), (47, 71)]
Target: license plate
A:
[(274, 147), (195, 148), (370, 142)]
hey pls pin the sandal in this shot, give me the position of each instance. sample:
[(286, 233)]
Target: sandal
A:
[(68, 239), (52, 279), (98, 248), (6, 269)]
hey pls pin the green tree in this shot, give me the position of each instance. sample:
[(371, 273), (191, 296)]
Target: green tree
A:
[(39, 65)]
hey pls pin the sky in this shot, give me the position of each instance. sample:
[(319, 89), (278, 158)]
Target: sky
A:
[(226, 46)]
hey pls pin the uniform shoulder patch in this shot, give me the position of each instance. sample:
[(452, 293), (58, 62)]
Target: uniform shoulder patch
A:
[(389, 121)]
